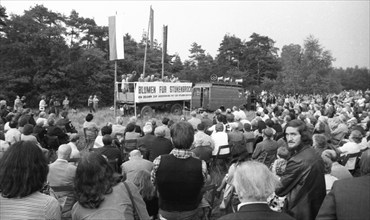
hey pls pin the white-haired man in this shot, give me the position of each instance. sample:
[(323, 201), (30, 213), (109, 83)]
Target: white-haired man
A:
[(254, 183)]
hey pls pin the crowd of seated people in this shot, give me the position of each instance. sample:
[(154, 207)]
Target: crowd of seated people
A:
[(300, 158)]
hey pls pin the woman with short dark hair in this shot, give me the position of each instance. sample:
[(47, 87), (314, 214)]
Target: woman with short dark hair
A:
[(99, 196), (90, 131), (23, 172)]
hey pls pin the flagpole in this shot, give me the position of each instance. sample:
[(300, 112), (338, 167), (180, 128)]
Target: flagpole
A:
[(146, 44), (115, 88), (163, 42)]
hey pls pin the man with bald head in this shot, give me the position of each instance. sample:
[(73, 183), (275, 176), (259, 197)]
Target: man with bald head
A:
[(135, 164), (61, 173)]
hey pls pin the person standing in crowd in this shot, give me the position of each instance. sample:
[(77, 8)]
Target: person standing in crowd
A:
[(42, 104), (90, 102), (254, 183), (169, 171), (18, 104), (23, 174), (95, 103), (90, 130), (124, 86), (65, 104), (303, 181), (100, 196), (57, 105)]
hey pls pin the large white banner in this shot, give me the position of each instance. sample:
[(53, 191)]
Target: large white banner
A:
[(162, 91)]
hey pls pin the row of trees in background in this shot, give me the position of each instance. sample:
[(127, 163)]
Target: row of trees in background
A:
[(46, 53)]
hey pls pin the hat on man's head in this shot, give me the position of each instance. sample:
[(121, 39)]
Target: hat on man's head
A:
[(268, 132), (204, 114)]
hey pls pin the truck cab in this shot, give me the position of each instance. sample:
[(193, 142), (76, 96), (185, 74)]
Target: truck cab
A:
[(209, 96)]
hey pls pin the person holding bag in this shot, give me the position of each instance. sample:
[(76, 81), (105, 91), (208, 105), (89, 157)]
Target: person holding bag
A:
[(99, 196)]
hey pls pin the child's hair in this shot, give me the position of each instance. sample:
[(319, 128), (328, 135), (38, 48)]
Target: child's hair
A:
[(283, 152)]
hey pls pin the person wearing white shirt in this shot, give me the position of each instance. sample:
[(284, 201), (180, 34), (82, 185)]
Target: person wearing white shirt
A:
[(351, 147), (13, 134), (220, 138)]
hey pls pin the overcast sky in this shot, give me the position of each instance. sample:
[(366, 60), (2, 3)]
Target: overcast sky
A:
[(341, 26)]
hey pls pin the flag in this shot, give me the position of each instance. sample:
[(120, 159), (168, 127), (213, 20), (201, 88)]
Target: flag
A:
[(151, 27), (116, 45), (226, 79), (165, 33), (220, 78)]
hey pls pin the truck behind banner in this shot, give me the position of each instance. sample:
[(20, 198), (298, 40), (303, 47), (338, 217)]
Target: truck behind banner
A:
[(162, 91)]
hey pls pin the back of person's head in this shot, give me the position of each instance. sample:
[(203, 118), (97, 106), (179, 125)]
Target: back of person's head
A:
[(247, 127), (356, 136), (94, 179), (230, 118), (269, 123), (160, 131), (130, 127), (331, 154), (23, 170), (201, 127), (182, 135), (22, 121), (133, 120), (74, 137), (106, 130), (42, 115), (89, 117), (193, 114), (267, 132), (147, 129), (219, 127), (64, 151), (365, 163), (135, 154), (27, 129), (144, 184), (107, 140), (64, 114), (253, 181), (283, 152), (51, 121), (319, 141), (165, 121)]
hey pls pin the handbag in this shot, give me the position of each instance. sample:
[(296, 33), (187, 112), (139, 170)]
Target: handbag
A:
[(134, 208)]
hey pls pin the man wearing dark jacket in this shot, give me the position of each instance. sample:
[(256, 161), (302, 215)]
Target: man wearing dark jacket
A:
[(303, 182), (146, 142), (160, 145), (349, 198)]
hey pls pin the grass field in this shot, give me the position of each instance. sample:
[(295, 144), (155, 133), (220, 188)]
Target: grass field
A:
[(105, 115)]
